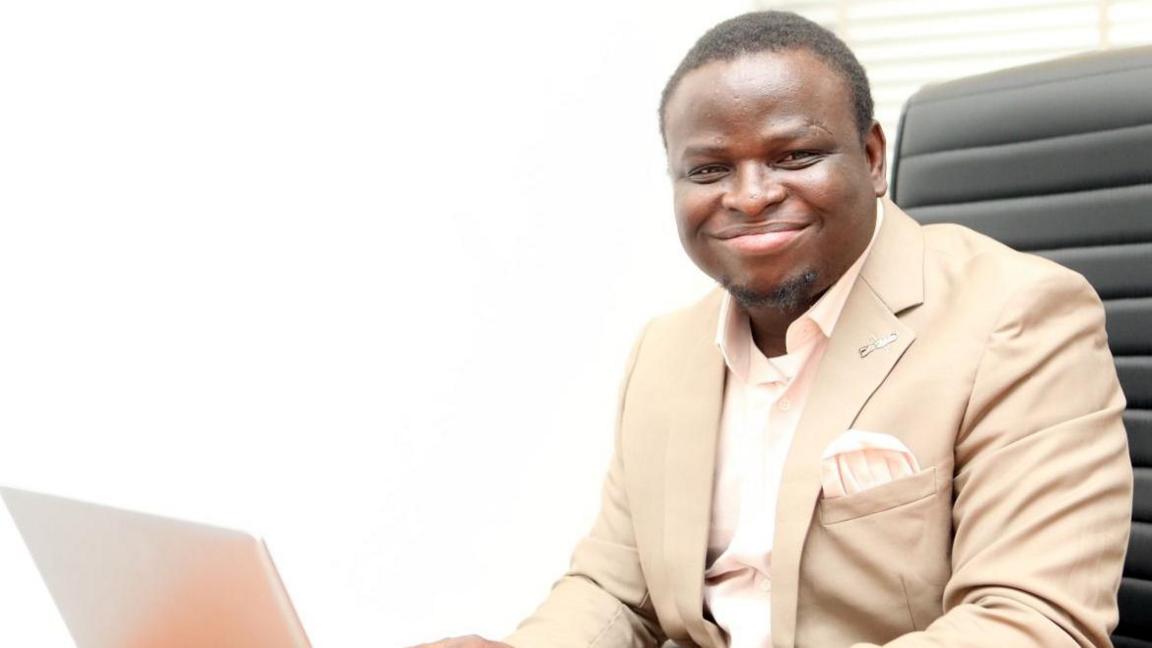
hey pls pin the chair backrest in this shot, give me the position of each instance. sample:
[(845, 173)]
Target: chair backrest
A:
[(1056, 159)]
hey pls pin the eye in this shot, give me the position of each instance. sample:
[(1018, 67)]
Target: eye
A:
[(799, 159), (707, 173)]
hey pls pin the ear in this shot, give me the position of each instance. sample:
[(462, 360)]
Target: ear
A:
[(876, 152)]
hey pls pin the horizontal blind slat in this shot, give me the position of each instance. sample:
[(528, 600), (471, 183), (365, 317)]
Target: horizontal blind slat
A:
[(903, 9), (923, 51), (936, 27)]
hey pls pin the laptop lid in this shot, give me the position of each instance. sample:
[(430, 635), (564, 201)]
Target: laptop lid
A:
[(123, 579)]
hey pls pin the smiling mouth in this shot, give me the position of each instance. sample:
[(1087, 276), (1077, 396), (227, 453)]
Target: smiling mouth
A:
[(762, 240)]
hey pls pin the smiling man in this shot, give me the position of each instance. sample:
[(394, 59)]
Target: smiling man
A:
[(874, 433)]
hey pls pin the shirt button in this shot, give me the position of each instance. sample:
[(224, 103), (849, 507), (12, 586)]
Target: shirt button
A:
[(784, 404), (765, 585)]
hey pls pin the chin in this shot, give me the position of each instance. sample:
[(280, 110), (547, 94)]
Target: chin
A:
[(794, 293)]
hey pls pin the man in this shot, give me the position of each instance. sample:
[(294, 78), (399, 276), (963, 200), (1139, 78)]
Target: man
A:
[(876, 433)]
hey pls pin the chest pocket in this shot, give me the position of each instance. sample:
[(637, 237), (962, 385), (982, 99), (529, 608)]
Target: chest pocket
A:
[(896, 493)]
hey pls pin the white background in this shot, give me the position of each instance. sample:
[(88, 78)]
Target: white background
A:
[(360, 277)]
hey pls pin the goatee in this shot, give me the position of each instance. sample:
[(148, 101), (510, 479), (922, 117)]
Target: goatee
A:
[(791, 295)]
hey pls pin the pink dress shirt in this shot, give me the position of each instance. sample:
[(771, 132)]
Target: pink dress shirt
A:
[(763, 400)]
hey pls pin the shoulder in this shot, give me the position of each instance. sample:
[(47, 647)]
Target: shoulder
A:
[(679, 341), (698, 317), (958, 259)]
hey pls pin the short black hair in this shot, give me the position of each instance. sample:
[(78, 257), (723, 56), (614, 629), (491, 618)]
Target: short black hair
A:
[(775, 31)]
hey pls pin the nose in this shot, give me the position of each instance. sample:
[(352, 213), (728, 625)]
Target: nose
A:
[(752, 190)]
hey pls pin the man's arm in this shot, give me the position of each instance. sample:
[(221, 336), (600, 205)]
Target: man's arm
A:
[(603, 599), (1043, 486)]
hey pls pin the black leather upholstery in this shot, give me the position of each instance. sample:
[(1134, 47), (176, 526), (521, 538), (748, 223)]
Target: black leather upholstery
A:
[(1056, 159)]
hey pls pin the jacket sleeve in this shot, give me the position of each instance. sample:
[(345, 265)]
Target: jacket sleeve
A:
[(602, 601), (1037, 557)]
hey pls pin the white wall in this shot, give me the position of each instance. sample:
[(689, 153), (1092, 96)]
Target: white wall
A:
[(358, 276)]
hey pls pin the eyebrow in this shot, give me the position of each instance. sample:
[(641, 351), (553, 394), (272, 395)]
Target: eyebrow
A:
[(792, 133)]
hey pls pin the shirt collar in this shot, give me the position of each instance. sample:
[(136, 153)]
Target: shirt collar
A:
[(734, 335)]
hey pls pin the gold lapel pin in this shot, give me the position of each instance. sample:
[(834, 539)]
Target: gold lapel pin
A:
[(876, 344)]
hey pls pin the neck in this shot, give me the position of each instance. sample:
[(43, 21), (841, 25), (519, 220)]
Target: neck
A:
[(770, 327)]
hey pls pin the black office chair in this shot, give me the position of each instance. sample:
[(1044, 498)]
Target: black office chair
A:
[(1056, 159)]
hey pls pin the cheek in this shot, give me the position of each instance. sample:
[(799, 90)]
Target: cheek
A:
[(690, 217), (687, 230), (821, 185), (693, 207)]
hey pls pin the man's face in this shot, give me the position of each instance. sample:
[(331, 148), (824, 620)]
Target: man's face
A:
[(774, 191)]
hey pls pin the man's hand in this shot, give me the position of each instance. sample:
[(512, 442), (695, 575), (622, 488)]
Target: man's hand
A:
[(470, 641)]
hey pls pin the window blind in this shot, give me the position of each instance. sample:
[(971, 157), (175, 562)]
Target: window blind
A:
[(905, 44)]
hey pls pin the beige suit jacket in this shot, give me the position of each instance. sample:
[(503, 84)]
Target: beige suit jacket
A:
[(1013, 534)]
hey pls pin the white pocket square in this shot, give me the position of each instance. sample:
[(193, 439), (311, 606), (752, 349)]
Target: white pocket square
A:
[(858, 460)]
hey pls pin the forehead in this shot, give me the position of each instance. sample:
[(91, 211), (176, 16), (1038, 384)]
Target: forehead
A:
[(760, 89)]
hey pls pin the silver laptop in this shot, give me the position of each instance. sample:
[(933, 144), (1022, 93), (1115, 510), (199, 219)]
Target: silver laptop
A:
[(128, 580)]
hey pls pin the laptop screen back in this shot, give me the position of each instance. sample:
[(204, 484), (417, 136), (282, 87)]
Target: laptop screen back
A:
[(129, 580)]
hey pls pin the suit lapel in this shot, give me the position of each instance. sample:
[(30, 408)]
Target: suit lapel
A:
[(851, 370), (693, 423)]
